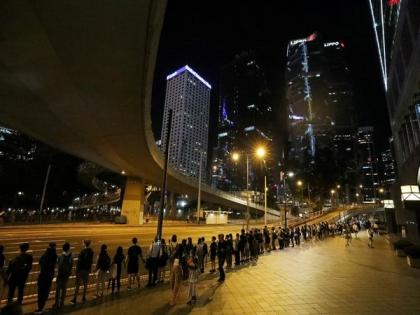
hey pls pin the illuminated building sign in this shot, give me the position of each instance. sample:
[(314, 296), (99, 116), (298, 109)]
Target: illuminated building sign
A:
[(332, 44), (310, 38), (297, 41)]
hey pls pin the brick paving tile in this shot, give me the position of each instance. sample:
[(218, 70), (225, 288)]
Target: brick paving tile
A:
[(317, 278)]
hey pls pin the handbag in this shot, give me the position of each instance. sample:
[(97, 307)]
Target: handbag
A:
[(114, 271)]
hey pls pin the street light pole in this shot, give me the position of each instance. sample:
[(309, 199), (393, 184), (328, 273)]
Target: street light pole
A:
[(265, 199), (247, 193), (199, 188), (285, 200), (165, 172), (43, 192), (309, 195)]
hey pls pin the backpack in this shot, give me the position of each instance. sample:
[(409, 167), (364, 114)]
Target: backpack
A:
[(65, 266)]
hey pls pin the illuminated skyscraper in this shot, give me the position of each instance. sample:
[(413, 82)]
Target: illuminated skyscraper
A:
[(368, 164), (320, 98), (245, 119), (188, 95)]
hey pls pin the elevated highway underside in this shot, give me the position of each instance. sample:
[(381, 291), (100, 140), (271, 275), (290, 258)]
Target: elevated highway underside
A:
[(78, 76)]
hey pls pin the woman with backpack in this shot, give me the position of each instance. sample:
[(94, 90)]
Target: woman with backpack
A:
[(103, 265)]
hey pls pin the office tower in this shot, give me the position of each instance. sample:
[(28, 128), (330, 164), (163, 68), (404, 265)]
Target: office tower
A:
[(403, 100), (320, 103), (245, 120), (188, 95), (368, 164)]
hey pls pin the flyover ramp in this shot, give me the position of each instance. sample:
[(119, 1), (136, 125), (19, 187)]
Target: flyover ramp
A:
[(78, 76)]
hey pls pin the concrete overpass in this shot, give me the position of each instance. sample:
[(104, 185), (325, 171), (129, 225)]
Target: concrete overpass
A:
[(78, 76)]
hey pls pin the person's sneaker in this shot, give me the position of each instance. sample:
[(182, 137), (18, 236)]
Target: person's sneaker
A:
[(73, 302), (38, 312)]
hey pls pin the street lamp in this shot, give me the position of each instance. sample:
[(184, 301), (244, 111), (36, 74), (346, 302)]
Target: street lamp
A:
[(299, 183), (338, 194), (260, 152), (287, 175)]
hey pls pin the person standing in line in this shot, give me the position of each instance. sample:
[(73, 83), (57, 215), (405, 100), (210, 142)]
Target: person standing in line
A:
[(273, 238), (297, 236), (213, 252), (47, 264), (236, 250), (183, 259), (176, 278), (133, 255), (370, 232), (200, 254), (64, 268), (117, 264), (154, 253), (221, 257), (103, 265), (83, 267), (17, 273), (163, 260), (192, 278), (242, 240), (3, 278), (205, 254), (229, 251), (173, 248)]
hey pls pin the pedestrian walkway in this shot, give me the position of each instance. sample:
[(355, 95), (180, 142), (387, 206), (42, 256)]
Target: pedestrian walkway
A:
[(317, 278)]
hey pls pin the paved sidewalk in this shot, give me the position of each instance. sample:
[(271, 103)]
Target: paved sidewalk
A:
[(318, 278)]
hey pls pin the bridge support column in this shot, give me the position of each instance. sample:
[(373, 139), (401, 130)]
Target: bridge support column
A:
[(171, 202), (133, 201)]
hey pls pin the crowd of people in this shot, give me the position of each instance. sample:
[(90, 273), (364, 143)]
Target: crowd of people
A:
[(186, 261)]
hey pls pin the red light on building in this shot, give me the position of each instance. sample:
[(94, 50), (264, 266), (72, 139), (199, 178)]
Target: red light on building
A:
[(311, 37), (393, 2), (342, 45)]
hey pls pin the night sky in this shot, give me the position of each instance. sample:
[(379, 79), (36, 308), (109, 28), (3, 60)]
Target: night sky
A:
[(207, 35)]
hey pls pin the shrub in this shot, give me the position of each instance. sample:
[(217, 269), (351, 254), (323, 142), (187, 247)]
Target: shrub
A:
[(413, 251), (401, 244)]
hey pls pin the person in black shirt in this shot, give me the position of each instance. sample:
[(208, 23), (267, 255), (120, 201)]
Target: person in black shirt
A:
[(221, 256), (133, 255), (64, 270), (84, 265), (17, 273), (213, 252), (102, 268), (47, 264), (117, 263)]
